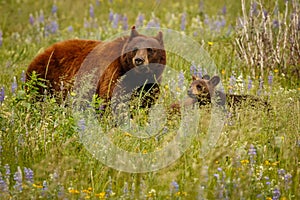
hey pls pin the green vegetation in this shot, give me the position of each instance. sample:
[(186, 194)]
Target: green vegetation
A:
[(256, 51)]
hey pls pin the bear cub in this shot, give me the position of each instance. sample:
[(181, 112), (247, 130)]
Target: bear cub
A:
[(204, 90)]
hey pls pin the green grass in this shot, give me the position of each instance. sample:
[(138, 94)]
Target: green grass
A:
[(255, 157)]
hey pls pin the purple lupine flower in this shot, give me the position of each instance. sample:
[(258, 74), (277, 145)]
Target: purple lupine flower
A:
[(193, 69), (111, 16), (206, 20), (54, 9), (249, 84), (217, 176), (7, 171), (195, 34), (252, 150), (125, 23), (28, 175), (115, 20), (54, 27), (31, 19), (23, 77), (1, 38), (199, 72), (254, 8), (181, 80), (3, 185), (183, 22), (276, 194), (140, 20), (224, 10), (18, 179), (287, 180), (2, 95), (86, 23), (41, 17), (281, 172), (265, 13), (252, 153), (14, 85), (81, 124), (174, 187), (275, 23), (109, 190), (70, 29), (91, 10), (45, 185), (270, 79), (61, 191)]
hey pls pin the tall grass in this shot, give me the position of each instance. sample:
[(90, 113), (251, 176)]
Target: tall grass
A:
[(256, 155)]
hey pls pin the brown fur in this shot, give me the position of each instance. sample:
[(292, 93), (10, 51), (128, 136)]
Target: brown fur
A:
[(68, 60), (204, 90)]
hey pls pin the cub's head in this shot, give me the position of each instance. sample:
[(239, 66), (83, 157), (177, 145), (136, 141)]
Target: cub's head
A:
[(141, 50), (203, 89)]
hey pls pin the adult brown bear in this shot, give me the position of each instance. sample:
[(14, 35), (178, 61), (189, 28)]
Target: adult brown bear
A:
[(63, 62)]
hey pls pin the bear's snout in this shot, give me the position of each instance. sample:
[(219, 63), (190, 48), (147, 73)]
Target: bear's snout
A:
[(141, 57)]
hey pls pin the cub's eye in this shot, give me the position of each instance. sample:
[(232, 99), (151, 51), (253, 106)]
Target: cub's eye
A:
[(150, 50), (199, 87)]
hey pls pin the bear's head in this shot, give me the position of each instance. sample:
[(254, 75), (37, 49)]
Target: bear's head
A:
[(141, 50), (203, 89)]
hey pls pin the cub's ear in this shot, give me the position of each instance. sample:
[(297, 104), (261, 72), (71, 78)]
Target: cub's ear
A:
[(159, 37), (215, 80), (206, 77), (195, 78), (133, 32)]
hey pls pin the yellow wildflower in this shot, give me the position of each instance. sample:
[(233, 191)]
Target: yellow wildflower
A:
[(73, 191), (73, 94), (217, 162), (145, 151), (86, 191), (101, 195), (37, 186), (181, 194), (127, 134), (276, 70), (267, 162), (87, 197), (210, 43), (275, 163), (244, 162), (268, 198), (223, 71)]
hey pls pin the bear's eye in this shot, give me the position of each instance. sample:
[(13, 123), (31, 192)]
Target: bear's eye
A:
[(150, 50), (135, 49), (199, 87)]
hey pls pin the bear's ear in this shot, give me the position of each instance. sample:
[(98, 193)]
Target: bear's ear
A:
[(194, 78), (133, 32), (215, 80), (206, 77), (159, 37)]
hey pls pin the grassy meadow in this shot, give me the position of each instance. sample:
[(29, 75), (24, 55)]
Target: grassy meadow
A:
[(255, 49)]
